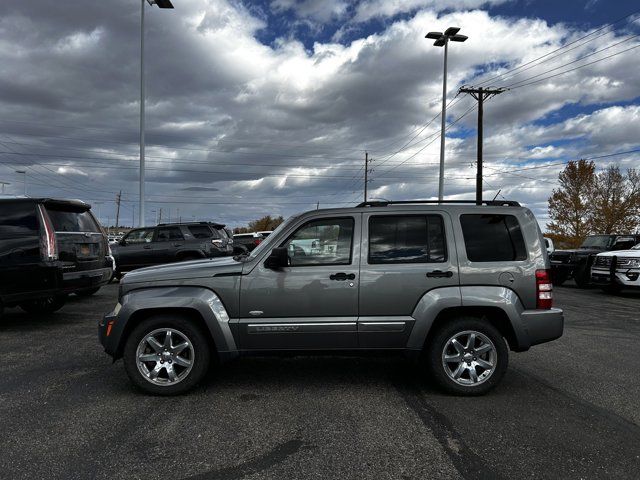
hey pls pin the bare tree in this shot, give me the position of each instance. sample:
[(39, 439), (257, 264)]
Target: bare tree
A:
[(615, 201), (569, 204)]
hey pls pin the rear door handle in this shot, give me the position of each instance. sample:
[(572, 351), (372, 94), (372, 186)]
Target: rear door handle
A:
[(342, 276), (440, 274), (177, 244), (147, 247)]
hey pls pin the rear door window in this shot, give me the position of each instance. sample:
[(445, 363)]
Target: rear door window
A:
[(18, 219), (200, 231), (168, 234), (406, 239), (70, 221), (493, 238)]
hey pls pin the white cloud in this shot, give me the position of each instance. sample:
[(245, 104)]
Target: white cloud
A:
[(368, 9)]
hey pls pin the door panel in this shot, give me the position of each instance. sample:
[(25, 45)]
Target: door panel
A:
[(403, 264), (138, 250), (308, 304)]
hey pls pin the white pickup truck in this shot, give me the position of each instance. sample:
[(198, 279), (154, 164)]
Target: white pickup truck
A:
[(616, 270)]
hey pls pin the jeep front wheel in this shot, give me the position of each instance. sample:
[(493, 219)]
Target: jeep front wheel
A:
[(467, 356), (166, 355)]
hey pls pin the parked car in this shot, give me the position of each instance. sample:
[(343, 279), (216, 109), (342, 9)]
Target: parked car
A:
[(615, 271), (247, 241), (576, 264), (48, 249), (170, 242), (456, 285)]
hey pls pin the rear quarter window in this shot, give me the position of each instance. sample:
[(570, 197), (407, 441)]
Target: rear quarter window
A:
[(18, 219), (201, 231), (70, 221), (493, 238)]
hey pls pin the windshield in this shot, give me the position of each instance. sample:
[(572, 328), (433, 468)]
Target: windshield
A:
[(596, 241), (266, 243)]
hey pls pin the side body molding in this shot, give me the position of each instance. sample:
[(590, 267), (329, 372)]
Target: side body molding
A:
[(202, 300)]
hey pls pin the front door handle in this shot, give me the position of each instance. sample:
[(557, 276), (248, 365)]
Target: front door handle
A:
[(440, 274), (342, 276), (147, 247), (177, 244)]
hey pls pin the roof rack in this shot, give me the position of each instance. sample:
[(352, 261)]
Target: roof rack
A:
[(192, 223), (384, 203)]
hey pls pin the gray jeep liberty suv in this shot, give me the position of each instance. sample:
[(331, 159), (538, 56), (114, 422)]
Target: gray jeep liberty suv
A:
[(454, 283)]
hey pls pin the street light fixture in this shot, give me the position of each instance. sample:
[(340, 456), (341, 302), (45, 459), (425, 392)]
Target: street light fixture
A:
[(24, 178), (442, 40), (160, 4)]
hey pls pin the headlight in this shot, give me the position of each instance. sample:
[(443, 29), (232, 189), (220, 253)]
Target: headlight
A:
[(634, 262)]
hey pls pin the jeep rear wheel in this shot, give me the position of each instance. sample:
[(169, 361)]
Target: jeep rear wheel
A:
[(467, 356), (166, 355)]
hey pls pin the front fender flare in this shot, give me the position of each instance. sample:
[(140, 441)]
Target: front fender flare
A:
[(201, 300)]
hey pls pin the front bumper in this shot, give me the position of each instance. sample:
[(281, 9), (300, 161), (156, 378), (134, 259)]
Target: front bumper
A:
[(105, 329), (542, 325), (626, 277)]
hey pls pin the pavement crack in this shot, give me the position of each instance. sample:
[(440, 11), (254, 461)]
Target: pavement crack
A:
[(468, 463), (277, 455)]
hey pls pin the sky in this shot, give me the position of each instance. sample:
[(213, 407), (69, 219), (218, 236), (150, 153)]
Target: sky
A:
[(267, 107)]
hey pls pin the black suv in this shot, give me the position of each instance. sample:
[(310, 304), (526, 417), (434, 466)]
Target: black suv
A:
[(170, 242), (49, 248), (576, 264)]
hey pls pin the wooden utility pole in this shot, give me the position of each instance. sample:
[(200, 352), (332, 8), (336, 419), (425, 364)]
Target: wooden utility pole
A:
[(118, 197), (480, 94)]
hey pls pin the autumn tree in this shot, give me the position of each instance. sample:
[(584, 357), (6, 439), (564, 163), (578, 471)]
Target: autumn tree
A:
[(615, 201), (265, 223), (569, 205)]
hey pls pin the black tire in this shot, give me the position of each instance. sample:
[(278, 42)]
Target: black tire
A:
[(44, 305), (582, 276), (87, 293), (201, 355), (438, 344)]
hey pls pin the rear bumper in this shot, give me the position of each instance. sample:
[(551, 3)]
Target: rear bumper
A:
[(74, 281), (542, 325)]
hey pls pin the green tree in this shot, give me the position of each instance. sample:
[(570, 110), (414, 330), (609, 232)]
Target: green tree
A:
[(262, 224), (569, 205), (615, 201)]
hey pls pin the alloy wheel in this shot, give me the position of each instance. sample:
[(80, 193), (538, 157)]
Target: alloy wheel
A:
[(469, 358), (165, 356)]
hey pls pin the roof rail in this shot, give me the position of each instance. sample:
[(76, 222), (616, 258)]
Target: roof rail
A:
[(384, 203), (191, 223)]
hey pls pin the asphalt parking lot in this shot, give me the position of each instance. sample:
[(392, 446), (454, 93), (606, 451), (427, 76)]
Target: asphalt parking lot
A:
[(567, 409)]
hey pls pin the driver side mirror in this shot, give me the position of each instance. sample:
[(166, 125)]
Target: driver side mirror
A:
[(278, 258)]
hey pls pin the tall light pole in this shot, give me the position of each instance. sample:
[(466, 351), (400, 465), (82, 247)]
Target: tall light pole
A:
[(161, 4), (99, 204), (442, 40), (3, 185), (24, 179)]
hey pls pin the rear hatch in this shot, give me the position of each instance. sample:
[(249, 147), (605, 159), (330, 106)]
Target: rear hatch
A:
[(81, 243)]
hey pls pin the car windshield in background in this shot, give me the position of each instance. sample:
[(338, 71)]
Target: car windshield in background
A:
[(66, 221), (596, 241)]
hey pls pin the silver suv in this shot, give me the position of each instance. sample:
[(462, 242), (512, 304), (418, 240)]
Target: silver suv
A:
[(454, 284)]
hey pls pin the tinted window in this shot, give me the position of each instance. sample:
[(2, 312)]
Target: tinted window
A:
[(68, 221), (321, 242), (18, 219), (143, 235), (167, 234), (406, 239), (200, 231), (493, 238)]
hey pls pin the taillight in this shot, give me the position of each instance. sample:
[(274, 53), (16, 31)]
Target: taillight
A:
[(257, 241), (48, 244), (544, 290)]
